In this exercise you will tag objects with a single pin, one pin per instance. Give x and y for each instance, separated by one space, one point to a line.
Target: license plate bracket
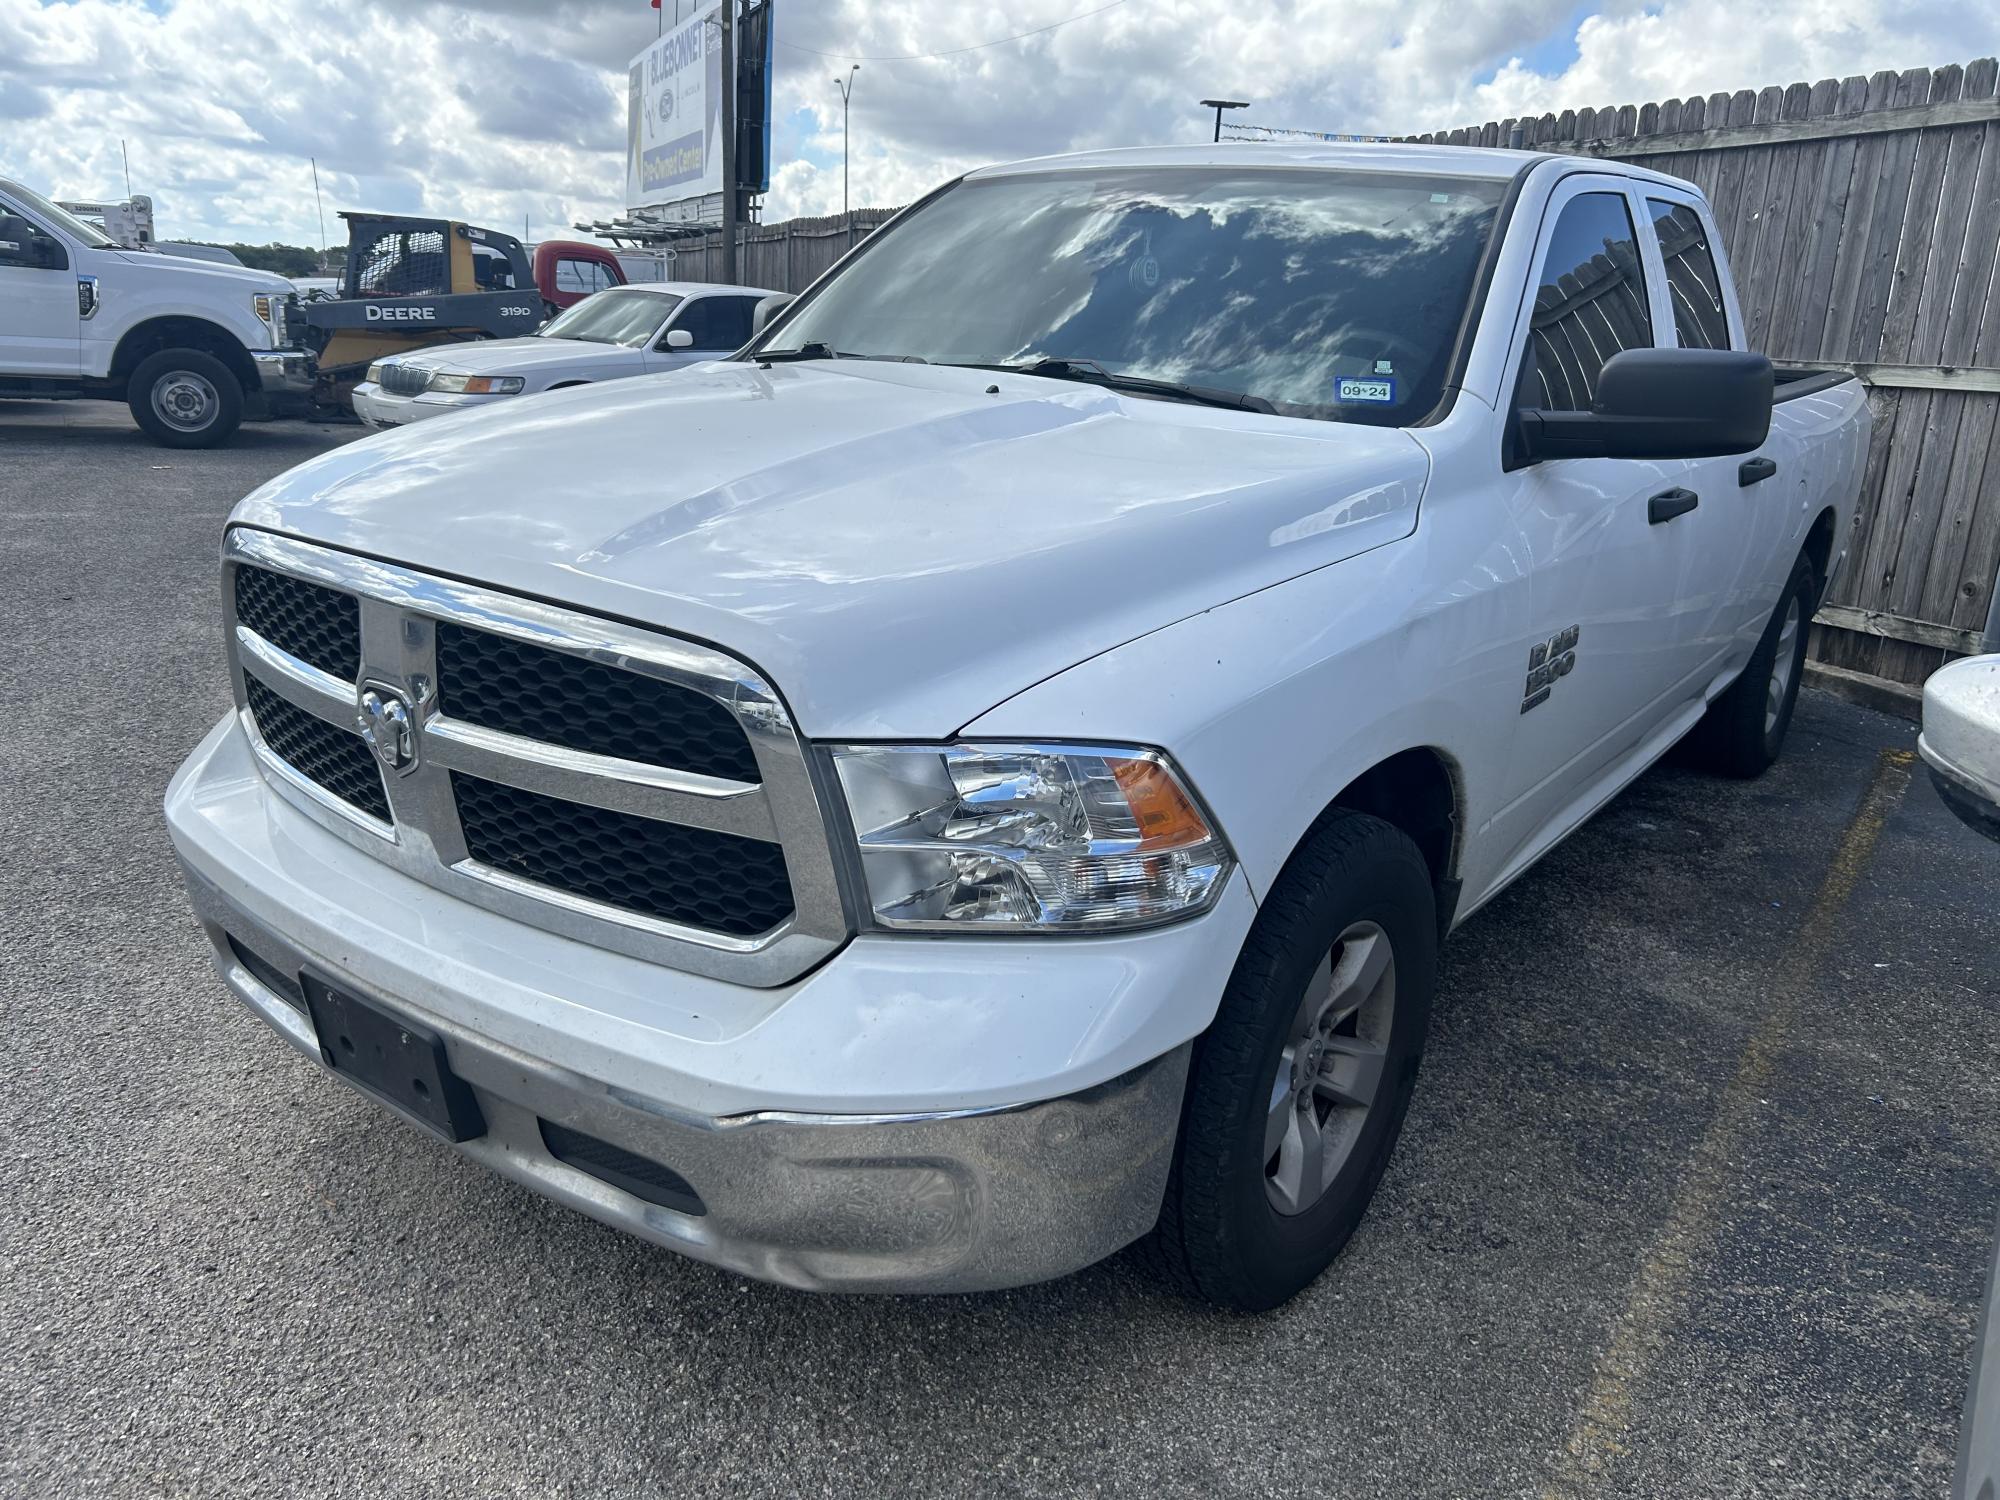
391 1057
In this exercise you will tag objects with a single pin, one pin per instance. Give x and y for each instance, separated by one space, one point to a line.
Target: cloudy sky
496 110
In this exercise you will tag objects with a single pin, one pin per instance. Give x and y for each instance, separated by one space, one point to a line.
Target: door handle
1754 471
1670 503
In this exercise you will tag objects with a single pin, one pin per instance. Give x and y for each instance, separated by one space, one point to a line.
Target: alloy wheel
1331 1070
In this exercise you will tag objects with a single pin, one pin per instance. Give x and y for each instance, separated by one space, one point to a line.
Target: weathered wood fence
1862 220
785 257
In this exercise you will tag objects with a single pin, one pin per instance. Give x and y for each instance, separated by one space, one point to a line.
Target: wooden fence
1862 219
785 257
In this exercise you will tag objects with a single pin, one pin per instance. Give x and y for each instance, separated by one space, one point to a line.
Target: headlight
1028 838
374 375
476 385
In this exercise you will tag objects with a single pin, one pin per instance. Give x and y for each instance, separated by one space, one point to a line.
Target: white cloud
492 109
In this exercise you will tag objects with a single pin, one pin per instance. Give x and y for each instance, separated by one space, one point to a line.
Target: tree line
286 260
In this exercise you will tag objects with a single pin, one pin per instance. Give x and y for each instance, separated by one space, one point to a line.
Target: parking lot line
1658 1291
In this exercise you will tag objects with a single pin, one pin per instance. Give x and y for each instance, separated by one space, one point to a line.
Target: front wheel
1298 1090
1744 729
182 398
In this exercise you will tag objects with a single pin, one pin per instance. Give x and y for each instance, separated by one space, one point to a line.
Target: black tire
182 398
1744 729
1222 1235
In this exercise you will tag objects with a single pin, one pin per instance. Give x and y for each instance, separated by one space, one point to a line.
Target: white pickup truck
982 776
190 346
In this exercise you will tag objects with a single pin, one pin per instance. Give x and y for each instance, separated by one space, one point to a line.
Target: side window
22 244
491 269
1589 305
1699 319
717 322
573 276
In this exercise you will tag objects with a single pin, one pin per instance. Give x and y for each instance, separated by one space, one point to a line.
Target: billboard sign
674 114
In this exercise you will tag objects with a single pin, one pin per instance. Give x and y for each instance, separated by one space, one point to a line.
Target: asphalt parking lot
1695 1200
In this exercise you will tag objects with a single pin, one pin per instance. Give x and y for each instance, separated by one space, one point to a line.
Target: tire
1241 1227
182 398
1744 729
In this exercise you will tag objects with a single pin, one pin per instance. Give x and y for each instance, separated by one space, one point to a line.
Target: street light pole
728 142
1219 105
846 87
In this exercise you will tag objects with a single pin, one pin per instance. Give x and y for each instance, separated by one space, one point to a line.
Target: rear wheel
1744 729
1299 1089
183 398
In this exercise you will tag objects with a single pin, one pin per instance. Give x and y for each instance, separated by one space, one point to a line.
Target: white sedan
627 330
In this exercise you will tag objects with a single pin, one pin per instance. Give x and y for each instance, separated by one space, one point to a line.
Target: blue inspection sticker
1379 389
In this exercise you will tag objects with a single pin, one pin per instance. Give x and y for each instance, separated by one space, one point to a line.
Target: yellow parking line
1660 1289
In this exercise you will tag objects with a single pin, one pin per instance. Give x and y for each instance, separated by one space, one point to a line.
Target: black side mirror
766 310
48 253
1662 403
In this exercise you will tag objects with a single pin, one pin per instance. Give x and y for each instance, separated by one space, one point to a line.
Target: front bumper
379 409
284 381
912 1116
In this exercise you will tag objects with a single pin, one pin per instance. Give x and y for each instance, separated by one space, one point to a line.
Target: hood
523 356
896 547
250 280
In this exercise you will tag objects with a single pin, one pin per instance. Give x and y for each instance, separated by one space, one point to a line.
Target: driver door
41 329
1615 581
719 324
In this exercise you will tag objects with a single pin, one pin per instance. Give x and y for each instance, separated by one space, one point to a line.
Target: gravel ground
1695 1198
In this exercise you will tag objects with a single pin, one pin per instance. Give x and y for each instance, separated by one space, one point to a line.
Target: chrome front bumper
285 381
949 1201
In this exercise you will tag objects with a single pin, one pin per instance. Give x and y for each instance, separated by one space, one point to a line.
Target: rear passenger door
1615 654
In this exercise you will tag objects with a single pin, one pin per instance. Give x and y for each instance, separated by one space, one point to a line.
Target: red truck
567 271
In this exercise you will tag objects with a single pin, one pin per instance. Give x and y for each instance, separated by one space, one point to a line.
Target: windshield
62 218
631 318
1336 295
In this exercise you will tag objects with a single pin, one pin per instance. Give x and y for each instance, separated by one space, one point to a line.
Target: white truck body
1292 612
80 315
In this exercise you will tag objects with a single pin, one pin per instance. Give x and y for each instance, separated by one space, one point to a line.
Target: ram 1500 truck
190 346
981 776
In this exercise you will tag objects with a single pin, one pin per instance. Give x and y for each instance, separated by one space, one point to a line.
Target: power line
952 51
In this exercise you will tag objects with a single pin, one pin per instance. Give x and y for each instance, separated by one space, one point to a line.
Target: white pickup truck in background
192 347
979 779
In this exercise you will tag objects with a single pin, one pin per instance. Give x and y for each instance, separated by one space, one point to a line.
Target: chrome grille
616 785
319 626
405 380
509 685
323 753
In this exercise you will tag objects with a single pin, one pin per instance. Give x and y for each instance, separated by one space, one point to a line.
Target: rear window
1700 321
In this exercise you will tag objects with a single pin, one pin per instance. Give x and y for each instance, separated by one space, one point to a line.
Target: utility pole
846 87
729 142
1219 105
321 206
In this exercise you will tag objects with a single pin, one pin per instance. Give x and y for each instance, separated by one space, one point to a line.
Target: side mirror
678 338
767 309
1662 403
48 253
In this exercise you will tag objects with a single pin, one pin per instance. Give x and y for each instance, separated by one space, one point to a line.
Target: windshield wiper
816 350
1091 372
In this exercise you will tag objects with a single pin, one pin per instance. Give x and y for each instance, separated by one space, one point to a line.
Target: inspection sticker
1377 390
